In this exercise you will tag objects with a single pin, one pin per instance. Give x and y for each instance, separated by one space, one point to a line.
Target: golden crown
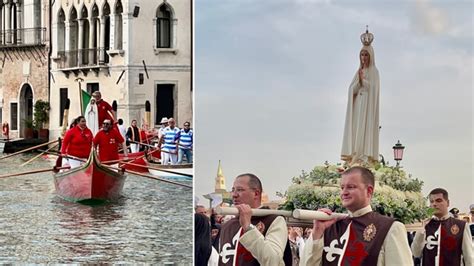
367 37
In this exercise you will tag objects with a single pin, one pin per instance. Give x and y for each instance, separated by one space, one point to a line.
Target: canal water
152 223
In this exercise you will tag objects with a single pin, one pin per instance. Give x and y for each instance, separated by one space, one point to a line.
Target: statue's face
364 58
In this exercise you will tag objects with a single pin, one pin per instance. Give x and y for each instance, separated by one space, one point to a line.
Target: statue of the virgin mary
361 131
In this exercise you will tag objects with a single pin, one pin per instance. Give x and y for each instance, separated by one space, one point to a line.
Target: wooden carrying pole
297 214
255 212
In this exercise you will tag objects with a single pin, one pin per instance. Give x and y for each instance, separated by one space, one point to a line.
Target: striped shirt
186 139
169 139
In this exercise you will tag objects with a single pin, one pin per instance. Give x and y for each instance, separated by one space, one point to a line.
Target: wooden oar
139 157
148 113
132 172
118 161
149 176
64 156
28 149
114 109
160 169
148 145
81 159
37 156
34 171
65 117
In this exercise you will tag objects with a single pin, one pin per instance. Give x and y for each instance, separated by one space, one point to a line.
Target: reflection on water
151 223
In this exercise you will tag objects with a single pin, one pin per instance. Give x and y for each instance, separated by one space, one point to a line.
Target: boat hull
135 164
179 170
89 182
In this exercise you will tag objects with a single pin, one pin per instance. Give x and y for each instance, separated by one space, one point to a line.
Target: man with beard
185 143
104 109
108 141
134 134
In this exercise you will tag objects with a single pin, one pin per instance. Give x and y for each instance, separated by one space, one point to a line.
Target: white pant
134 147
168 157
71 162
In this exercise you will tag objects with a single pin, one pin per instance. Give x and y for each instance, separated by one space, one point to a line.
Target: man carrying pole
247 240
364 237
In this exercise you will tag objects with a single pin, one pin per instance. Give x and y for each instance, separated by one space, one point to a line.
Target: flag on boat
85 99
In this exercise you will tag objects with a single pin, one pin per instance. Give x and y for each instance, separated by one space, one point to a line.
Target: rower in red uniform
108 140
77 142
104 109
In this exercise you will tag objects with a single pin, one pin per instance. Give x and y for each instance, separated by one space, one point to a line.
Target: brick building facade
24 49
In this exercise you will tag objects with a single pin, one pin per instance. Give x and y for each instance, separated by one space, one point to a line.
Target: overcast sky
272 78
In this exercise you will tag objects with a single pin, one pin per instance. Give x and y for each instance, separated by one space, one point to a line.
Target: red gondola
138 161
91 181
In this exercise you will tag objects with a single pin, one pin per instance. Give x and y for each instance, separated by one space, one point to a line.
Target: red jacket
103 108
77 142
108 143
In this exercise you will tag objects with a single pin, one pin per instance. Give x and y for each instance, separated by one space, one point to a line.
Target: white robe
361 130
92 118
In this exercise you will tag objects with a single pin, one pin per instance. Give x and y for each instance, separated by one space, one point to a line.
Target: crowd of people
362 237
98 128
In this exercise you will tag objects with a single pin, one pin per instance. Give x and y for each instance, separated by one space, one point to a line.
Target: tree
41 113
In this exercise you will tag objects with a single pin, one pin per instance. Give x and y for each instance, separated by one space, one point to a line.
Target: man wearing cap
454 212
164 124
444 240
169 150
104 109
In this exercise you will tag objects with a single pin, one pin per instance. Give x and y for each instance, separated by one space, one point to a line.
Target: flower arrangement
396 194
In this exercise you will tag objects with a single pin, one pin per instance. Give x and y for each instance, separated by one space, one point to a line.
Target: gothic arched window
163 26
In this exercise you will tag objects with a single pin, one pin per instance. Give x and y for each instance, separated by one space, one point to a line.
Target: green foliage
396 194
396 178
41 112
29 123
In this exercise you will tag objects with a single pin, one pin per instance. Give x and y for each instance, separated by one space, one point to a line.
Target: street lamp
398 152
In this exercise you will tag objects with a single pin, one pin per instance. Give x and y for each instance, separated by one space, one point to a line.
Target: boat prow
91 182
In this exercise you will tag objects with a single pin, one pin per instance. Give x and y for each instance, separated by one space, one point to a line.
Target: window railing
23 37
80 58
